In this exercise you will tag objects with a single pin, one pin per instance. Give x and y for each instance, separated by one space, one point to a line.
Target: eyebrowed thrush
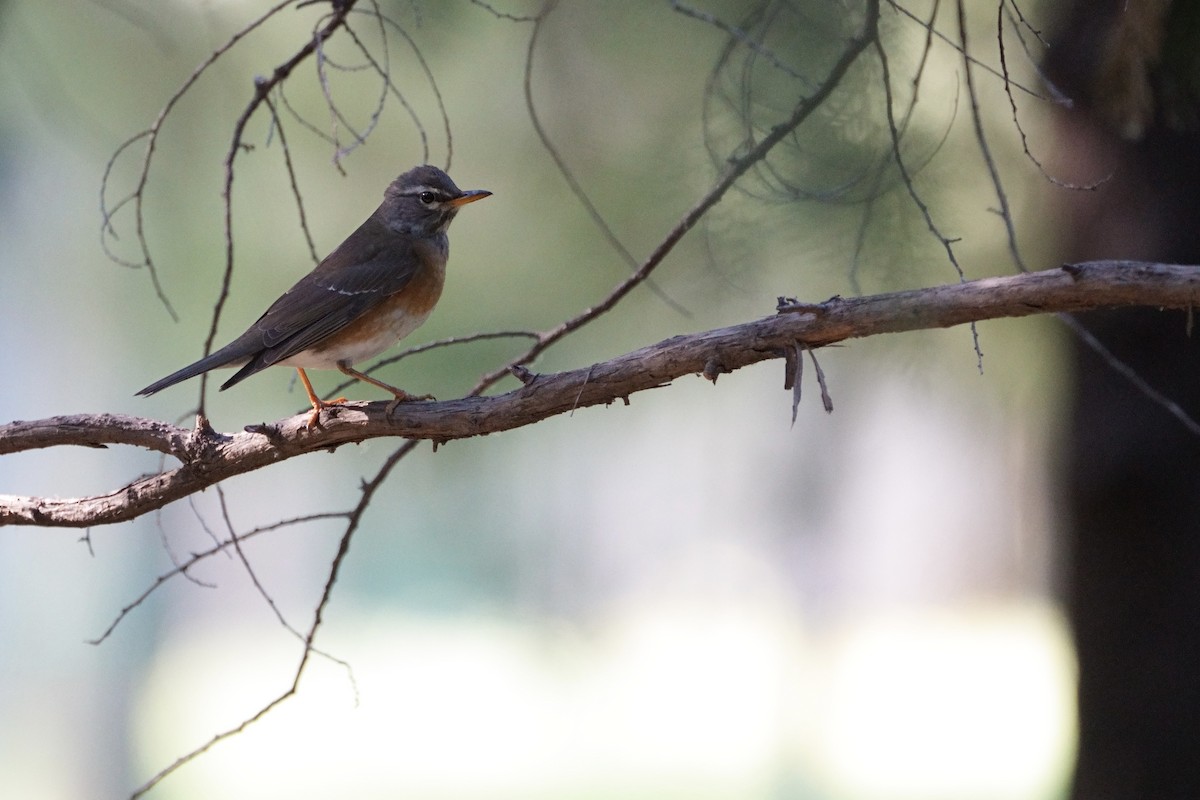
377 287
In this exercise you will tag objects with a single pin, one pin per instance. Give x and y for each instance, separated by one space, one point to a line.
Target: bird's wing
320 305
352 280
360 274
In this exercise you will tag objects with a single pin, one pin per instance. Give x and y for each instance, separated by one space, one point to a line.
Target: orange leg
317 403
400 395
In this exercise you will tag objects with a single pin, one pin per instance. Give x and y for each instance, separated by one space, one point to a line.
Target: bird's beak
470 197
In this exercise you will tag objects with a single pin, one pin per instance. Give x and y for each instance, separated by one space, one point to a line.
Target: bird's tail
221 358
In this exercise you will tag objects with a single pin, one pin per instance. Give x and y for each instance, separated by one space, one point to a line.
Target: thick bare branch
209 457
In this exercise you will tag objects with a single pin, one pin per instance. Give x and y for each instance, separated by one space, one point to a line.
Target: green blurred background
684 597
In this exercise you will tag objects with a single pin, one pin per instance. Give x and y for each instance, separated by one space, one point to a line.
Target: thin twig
196 558
568 175
946 242
277 126
355 518
735 168
151 134
1016 118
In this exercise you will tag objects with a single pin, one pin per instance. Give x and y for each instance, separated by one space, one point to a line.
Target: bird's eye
427 198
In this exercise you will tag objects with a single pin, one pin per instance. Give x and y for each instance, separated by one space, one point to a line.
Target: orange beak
470 197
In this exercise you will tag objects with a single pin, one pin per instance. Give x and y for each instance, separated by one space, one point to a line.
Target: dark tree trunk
1132 470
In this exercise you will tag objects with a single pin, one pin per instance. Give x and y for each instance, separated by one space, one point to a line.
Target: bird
375 288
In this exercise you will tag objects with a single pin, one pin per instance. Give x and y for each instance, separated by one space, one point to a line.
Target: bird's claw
314 419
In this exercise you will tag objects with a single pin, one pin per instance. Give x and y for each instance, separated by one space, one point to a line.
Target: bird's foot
314 419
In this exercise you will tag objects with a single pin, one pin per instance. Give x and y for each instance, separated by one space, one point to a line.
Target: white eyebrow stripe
419 190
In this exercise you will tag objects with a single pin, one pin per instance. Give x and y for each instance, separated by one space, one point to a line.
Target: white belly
368 347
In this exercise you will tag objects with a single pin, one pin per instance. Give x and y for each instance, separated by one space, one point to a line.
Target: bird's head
422 201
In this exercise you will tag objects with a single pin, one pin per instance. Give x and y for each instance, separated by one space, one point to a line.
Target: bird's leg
400 395
317 403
